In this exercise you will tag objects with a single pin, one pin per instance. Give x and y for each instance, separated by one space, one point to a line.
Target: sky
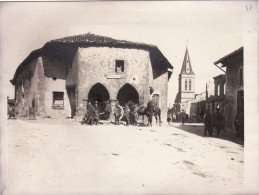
211 30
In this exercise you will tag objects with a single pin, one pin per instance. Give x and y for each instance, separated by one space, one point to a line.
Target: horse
150 111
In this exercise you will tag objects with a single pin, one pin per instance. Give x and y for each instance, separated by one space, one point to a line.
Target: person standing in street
90 113
217 120
207 123
117 114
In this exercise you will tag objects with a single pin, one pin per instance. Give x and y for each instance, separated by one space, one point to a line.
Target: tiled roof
92 40
98 40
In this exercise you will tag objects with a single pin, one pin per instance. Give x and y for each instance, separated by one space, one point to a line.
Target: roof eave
225 58
28 59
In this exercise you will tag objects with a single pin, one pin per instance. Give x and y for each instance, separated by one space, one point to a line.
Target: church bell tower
186 89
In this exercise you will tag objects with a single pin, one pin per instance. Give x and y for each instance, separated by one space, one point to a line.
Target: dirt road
50 156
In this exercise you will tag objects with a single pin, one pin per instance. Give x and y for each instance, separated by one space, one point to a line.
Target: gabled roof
237 53
187 67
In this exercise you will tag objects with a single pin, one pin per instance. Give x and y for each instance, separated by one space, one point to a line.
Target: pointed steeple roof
187 67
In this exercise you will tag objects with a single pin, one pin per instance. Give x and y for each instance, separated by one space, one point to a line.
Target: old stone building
58 79
186 87
234 91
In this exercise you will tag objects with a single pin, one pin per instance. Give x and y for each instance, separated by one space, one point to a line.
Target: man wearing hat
207 123
217 119
117 114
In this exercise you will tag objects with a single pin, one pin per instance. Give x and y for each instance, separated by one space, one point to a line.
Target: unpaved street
48 156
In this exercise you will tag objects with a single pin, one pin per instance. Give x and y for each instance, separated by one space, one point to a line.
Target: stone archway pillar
112 103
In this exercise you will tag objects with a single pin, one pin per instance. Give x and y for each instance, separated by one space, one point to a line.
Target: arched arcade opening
127 93
100 94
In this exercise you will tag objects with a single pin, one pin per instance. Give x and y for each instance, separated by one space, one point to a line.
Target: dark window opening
58 100
190 85
185 84
54 78
119 67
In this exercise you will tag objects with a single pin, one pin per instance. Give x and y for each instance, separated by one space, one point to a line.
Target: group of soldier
129 112
92 114
211 122
215 121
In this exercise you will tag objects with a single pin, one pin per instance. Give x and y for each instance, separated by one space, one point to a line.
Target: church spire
187 67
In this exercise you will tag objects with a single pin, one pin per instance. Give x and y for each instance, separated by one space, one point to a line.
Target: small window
58 100
185 84
190 85
119 67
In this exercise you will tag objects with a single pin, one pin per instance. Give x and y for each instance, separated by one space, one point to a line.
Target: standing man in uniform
117 114
207 123
217 120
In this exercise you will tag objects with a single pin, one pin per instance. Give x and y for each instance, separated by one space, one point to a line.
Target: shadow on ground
198 129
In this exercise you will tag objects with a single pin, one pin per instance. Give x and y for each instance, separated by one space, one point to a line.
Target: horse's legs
148 120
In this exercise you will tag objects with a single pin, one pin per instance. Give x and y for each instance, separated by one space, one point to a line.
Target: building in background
234 87
59 79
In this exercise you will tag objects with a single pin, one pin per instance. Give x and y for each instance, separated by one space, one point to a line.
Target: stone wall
34 90
161 88
26 89
57 85
97 65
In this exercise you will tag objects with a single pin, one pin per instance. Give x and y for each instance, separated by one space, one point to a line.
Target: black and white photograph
129 97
